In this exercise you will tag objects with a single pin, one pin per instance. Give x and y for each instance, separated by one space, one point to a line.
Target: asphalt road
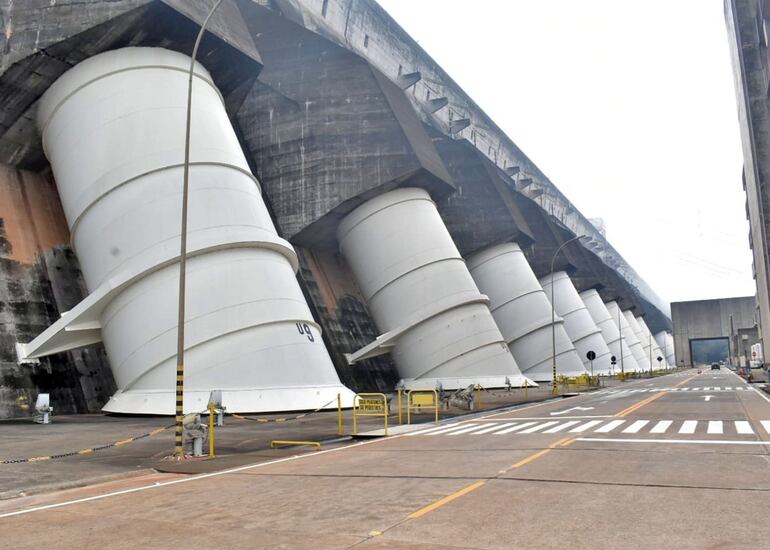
679 461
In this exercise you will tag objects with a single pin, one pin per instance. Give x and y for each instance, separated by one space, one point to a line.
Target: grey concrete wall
710 319
748 49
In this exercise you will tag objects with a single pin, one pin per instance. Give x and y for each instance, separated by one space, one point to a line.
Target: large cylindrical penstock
610 331
642 358
523 312
656 351
417 286
630 337
577 321
668 348
113 129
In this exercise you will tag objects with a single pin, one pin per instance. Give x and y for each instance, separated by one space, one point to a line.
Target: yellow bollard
399 406
339 415
211 430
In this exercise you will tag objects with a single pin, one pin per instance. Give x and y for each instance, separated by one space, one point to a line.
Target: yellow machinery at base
370 404
419 399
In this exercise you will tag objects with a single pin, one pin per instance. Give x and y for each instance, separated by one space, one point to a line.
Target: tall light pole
179 428
555 389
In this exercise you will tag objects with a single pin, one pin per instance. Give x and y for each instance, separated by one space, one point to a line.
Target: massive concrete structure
333 106
748 26
733 319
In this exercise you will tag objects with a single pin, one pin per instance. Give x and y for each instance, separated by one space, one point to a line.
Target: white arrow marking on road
707 397
572 409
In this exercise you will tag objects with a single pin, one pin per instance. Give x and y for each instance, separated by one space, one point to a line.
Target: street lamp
179 427
553 314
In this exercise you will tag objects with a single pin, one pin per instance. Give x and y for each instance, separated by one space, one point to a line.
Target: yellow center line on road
472 487
643 402
447 499
640 404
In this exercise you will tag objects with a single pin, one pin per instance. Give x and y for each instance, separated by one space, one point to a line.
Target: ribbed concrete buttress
629 336
113 130
523 312
577 321
601 316
436 323
643 355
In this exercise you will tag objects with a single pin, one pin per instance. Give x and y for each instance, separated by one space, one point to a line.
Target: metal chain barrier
286 419
88 450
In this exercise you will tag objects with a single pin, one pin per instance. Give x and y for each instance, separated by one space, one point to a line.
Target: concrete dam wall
311 274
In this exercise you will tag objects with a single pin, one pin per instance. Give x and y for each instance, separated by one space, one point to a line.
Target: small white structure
113 129
577 321
43 409
436 323
523 313
610 331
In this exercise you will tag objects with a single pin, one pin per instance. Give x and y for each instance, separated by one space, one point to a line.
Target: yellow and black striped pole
179 429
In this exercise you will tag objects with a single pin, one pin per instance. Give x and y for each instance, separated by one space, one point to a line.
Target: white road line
561 427
538 427
470 429
688 427
636 426
493 428
661 427
515 428
760 394
715 427
453 428
585 426
766 425
729 388
609 426
743 427
159 484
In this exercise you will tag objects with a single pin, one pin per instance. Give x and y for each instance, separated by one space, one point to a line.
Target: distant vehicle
715 366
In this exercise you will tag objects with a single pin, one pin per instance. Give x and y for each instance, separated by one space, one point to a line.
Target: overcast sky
628 106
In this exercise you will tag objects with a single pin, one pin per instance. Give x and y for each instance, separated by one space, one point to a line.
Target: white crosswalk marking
466 430
514 429
743 427
609 426
688 427
585 426
451 429
636 426
661 427
493 428
543 426
429 430
538 427
561 427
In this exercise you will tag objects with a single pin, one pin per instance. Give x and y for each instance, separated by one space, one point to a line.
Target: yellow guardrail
419 399
370 404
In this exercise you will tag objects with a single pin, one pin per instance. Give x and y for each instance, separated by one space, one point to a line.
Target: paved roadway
679 461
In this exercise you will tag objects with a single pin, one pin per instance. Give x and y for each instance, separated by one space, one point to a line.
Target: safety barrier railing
419 399
370 404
